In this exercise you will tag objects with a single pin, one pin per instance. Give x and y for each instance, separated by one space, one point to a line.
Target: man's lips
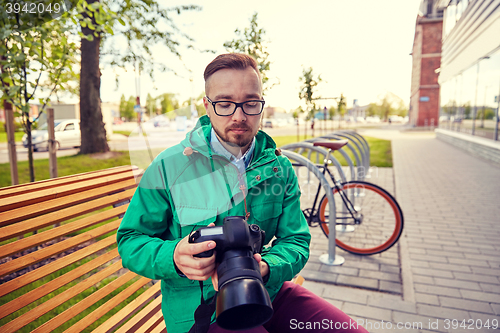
238 130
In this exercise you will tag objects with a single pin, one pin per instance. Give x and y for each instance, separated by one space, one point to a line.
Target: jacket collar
199 140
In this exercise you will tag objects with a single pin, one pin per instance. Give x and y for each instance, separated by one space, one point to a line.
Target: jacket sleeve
145 242
290 250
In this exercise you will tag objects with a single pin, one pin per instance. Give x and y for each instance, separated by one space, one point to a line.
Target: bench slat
32 258
161 328
60 231
62 215
49 183
130 309
55 284
84 304
57 232
72 204
108 306
18 201
32 210
152 322
54 266
55 301
142 317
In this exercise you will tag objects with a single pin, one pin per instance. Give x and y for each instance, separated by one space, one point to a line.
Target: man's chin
239 140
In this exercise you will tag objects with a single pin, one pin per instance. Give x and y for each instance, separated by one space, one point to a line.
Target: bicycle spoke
380 222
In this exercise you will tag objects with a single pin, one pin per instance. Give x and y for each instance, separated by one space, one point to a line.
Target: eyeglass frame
240 105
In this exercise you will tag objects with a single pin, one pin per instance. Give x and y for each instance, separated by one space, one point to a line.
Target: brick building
426 53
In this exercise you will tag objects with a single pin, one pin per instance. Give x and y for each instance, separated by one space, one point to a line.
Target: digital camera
243 301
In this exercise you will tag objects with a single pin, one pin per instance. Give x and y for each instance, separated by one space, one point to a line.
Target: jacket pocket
266 217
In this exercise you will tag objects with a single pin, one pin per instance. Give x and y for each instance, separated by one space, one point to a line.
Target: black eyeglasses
228 108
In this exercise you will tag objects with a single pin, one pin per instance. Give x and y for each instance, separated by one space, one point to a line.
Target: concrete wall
474 145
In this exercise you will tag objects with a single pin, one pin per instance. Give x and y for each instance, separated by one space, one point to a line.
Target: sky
361 49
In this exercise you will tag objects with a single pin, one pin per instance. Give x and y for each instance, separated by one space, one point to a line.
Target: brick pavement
449 253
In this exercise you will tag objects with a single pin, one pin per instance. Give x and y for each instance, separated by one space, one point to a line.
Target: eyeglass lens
227 108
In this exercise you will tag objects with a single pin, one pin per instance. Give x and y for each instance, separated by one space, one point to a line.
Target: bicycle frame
311 213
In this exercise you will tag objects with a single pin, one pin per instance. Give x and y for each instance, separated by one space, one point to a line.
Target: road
157 138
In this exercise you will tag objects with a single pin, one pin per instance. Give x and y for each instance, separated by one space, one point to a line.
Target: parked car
66 131
161 121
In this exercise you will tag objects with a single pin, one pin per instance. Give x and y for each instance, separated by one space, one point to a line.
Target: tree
151 105
251 41
39 48
389 104
168 102
341 107
91 124
143 23
307 90
127 107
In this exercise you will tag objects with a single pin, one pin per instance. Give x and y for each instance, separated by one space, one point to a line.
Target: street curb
404 254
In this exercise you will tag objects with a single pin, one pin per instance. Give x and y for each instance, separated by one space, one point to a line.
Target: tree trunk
30 150
91 124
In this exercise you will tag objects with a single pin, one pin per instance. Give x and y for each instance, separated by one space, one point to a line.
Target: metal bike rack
341 151
329 258
363 147
361 139
320 150
354 152
362 163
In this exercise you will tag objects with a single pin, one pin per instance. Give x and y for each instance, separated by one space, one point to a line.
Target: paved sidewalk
450 250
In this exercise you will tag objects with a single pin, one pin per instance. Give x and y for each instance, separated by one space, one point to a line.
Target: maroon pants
298 309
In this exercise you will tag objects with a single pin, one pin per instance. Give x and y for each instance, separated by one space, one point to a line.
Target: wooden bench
59 265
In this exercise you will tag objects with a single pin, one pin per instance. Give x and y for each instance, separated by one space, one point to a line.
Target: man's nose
239 115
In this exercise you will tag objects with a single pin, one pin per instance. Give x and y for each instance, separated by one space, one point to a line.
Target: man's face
237 86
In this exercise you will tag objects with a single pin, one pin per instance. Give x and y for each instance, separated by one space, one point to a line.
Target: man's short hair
230 61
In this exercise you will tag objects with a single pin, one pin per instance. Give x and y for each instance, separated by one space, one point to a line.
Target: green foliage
27 56
151 105
341 105
388 105
127 107
144 23
307 89
251 41
331 112
168 102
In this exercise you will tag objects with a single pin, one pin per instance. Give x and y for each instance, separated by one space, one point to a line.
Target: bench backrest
59 265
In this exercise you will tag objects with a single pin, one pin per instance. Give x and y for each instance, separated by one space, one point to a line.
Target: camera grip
205 254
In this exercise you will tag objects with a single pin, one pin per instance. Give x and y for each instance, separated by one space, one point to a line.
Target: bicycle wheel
380 221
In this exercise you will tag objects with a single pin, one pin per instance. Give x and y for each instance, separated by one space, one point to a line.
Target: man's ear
206 105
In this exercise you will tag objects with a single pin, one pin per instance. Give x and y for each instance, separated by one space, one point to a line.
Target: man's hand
264 270
194 268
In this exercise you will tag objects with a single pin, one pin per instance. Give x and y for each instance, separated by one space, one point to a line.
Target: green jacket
180 192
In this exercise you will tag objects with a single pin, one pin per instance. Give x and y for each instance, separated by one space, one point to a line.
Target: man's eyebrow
230 97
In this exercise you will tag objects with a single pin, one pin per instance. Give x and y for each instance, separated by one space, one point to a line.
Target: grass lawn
380 156
67 165
17 136
380 150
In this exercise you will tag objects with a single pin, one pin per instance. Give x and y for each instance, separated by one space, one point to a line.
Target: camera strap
203 314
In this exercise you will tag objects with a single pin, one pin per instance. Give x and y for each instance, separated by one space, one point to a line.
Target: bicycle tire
377 232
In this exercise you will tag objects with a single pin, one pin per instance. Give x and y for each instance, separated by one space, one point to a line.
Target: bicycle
369 220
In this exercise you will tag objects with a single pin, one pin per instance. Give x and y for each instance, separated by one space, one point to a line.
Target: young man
224 167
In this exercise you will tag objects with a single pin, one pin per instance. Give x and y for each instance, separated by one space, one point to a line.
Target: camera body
235 233
243 301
